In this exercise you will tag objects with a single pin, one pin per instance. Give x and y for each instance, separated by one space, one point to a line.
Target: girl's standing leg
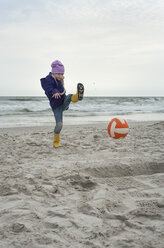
58 113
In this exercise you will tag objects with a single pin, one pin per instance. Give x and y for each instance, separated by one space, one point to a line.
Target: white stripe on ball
117 130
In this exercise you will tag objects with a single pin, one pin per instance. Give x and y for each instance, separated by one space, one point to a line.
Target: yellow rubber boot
79 94
74 98
57 140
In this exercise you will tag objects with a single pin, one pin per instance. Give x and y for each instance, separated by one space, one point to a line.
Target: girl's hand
56 95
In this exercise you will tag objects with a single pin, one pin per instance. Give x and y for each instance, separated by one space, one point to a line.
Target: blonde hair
62 80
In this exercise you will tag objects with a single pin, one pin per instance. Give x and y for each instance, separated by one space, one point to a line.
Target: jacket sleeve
48 87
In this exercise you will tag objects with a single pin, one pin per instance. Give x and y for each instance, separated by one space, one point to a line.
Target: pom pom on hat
57 67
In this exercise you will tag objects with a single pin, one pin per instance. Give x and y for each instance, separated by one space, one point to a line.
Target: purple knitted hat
57 67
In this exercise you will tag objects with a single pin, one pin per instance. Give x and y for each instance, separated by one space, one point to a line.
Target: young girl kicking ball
53 85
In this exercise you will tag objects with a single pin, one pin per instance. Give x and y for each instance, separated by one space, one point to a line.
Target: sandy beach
92 192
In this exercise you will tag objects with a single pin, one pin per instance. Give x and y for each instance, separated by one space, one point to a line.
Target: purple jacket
52 86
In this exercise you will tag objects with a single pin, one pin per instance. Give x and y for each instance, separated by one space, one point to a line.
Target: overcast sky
114 47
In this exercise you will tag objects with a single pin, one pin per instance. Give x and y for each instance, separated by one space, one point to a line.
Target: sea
35 111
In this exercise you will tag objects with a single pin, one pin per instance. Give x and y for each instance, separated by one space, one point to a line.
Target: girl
53 85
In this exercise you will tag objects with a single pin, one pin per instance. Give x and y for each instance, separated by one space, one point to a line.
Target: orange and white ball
118 128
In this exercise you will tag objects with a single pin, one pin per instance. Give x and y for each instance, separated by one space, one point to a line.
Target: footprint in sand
18 227
82 183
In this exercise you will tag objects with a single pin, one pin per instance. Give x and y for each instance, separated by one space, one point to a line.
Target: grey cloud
122 12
